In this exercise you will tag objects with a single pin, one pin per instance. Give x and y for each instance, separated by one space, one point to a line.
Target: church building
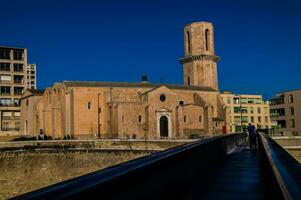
137 109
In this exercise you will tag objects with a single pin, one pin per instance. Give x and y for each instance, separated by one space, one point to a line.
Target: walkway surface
239 177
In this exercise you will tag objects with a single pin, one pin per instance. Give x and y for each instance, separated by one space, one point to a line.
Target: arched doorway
163 126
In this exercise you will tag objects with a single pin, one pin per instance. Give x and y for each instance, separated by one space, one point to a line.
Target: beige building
31 77
285 110
13 62
245 108
142 109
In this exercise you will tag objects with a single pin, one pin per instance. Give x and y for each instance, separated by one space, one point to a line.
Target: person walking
251 130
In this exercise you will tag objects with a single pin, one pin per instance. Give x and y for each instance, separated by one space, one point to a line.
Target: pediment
163 109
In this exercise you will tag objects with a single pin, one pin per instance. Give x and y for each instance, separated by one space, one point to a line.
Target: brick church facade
142 110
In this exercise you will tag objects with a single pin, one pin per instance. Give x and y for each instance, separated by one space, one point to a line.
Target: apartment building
31 77
13 62
245 108
285 111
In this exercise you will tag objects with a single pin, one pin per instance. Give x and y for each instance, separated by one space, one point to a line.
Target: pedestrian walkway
239 177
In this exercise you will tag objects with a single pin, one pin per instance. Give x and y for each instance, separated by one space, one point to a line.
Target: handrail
160 173
285 168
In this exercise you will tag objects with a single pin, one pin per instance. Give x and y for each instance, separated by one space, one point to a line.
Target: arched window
188 41
207 39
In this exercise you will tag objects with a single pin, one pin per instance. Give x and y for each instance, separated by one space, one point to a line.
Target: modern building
13 62
285 110
31 76
142 109
245 108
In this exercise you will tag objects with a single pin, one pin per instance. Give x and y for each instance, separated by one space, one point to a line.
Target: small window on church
207 39
181 102
162 97
188 42
200 119
140 118
184 118
89 105
188 81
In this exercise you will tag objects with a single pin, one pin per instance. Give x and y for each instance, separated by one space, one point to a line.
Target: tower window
89 105
207 39
140 118
290 99
200 119
181 102
188 41
184 118
188 80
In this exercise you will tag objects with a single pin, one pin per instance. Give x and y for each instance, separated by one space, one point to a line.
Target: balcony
277 101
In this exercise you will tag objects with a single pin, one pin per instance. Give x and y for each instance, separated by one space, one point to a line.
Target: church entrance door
163 126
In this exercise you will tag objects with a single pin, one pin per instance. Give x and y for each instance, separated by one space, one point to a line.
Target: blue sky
258 41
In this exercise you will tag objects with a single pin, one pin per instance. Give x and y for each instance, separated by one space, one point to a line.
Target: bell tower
199 62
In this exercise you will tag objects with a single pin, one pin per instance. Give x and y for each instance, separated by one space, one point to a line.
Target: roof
134 85
291 90
33 91
10 47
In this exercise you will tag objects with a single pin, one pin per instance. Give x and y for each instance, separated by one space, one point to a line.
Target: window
5 90
5 126
4 66
251 101
292 123
244 100
4 54
259 119
89 105
5 102
18 67
184 118
251 109
17 102
244 109
292 111
228 100
266 110
236 109
291 99
181 102
207 39
252 119
236 100
258 101
244 119
140 118
188 41
18 90
200 119
18 79
162 97
5 78
188 81
18 55
266 119
237 119
258 110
